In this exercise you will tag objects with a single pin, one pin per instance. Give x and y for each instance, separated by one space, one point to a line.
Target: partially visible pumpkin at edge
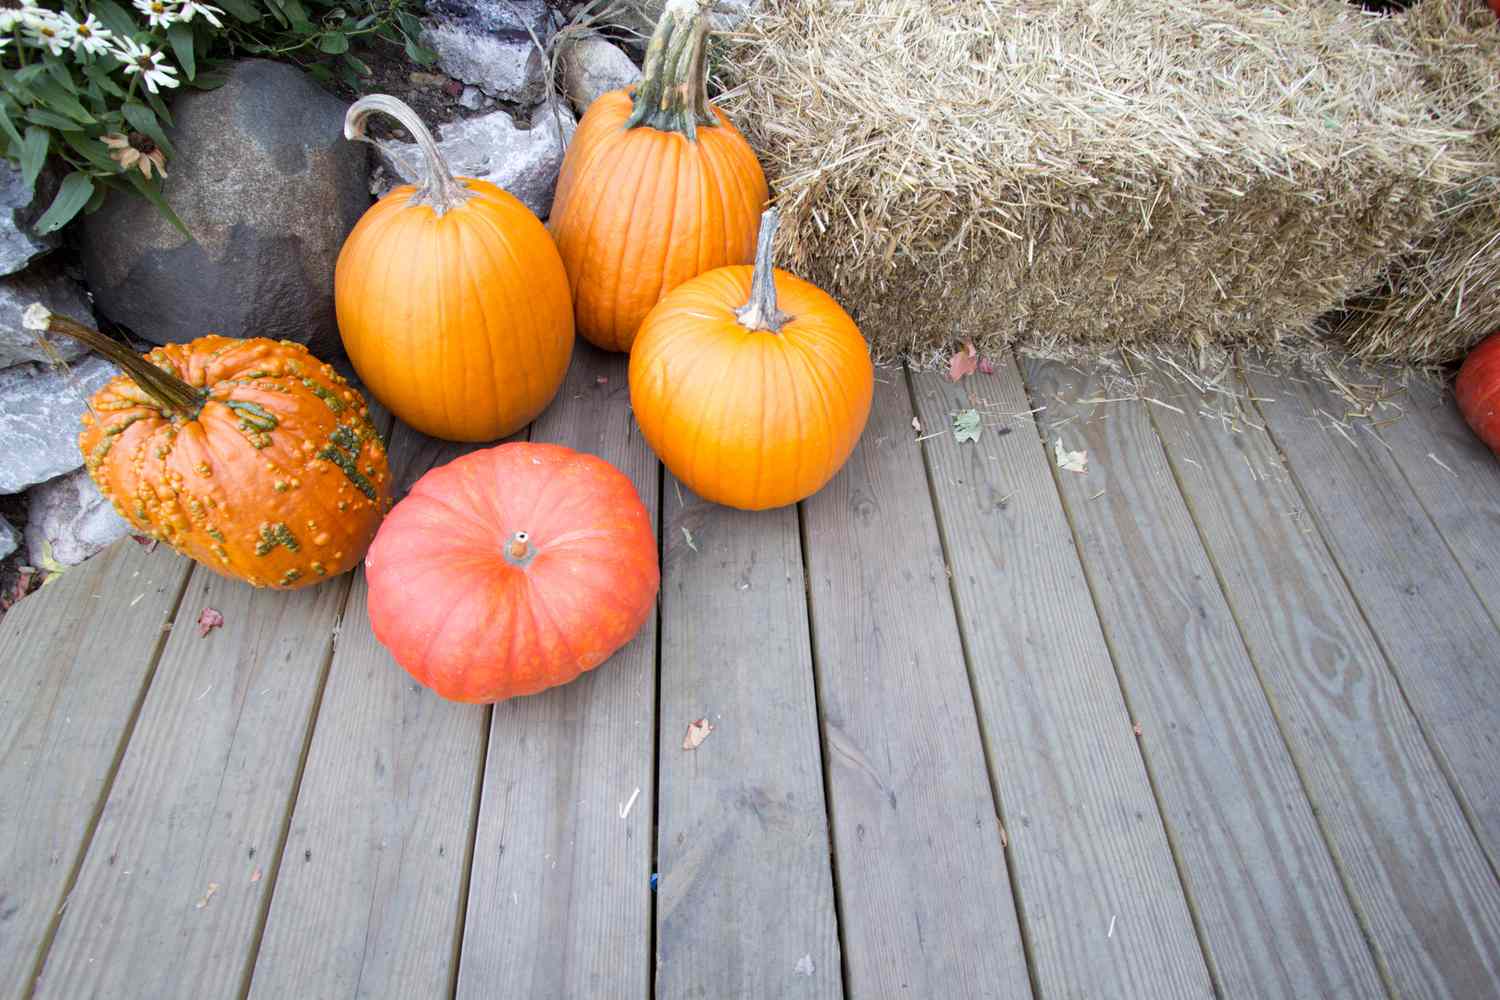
1476 390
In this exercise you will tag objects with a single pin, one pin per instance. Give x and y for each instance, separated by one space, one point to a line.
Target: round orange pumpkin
656 188
1477 391
250 456
452 301
751 385
511 570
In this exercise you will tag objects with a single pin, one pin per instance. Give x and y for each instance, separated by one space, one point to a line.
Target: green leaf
26 75
43 117
76 190
160 107
59 71
58 99
966 426
142 120
99 75
333 42
90 149
420 55
211 79
243 10
180 34
115 18
153 194
8 127
33 153
96 200
357 64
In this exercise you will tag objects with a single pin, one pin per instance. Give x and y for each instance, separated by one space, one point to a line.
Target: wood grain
78 655
369 895
1436 634
745 904
925 900
1271 910
559 898
1418 878
1103 907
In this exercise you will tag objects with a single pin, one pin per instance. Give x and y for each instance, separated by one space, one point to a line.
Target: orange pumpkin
452 301
510 570
251 457
656 188
751 385
1477 390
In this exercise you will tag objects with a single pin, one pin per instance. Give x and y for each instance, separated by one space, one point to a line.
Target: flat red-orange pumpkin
512 570
1477 391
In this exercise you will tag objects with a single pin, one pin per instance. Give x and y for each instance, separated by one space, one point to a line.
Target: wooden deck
1219 717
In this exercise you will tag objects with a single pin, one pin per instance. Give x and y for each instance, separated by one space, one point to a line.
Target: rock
492 44
20 206
10 538
592 66
45 283
636 19
39 411
524 162
475 99
266 182
71 516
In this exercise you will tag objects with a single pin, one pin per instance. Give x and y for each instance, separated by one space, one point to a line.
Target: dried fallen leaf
255 875
697 732
804 966
601 380
213 887
208 620
1137 728
966 426
146 542
1072 461
963 362
688 537
986 366
916 425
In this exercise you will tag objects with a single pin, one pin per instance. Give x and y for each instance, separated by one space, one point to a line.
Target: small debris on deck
630 803
804 966
688 537
1070 461
208 620
966 426
213 887
964 362
697 732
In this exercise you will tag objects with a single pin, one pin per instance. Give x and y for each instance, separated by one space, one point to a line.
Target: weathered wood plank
369 897
1457 479
1272 913
1420 882
925 900
745 904
1436 634
560 898
1103 907
77 657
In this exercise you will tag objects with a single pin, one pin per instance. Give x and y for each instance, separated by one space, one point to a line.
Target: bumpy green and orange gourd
657 187
251 457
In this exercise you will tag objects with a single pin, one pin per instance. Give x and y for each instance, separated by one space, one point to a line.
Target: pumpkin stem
673 93
761 312
159 383
518 551
441 189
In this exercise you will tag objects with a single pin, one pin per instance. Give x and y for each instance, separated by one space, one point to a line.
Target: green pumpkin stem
761 312
673 93
441 190
165 387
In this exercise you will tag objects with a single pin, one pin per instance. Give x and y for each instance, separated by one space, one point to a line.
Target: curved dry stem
439 190
166 388
673 93
761 312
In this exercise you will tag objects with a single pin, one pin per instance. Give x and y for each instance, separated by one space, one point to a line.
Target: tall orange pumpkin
752 386
250 456
452 300
656 188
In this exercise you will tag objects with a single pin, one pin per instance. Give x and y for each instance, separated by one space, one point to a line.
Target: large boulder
489 43
19 208
39 411
46 283
592 65
70 520
524 162
269 188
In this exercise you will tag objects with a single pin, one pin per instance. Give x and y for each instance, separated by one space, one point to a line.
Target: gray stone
18 210
524 162
592 66
510 69
10 538
71 516
47 284
636 19
475 99
507 18
39 411
268 186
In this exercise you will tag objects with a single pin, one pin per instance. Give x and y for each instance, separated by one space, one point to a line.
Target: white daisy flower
159 13
139 59
22 12
47 33
88 35
191 7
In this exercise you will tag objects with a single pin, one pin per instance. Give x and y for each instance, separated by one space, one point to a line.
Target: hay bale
1445 297
1041 170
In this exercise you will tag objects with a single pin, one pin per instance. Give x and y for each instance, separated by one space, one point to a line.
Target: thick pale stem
761 312
439 189
161 385
519 550
673 93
